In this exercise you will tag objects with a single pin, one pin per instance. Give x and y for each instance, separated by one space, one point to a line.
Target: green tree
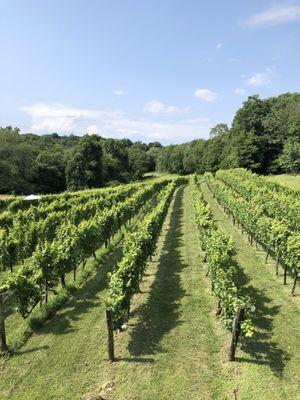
84 169
50 172
138 161
290 157
218 130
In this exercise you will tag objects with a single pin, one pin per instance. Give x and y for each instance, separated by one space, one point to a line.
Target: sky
150 70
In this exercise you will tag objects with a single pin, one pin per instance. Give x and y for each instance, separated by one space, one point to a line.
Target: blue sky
165 70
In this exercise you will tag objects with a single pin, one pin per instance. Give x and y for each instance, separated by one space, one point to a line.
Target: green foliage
51 163
139 245
268 212
264 137
84 169
219 250
57 242
290 157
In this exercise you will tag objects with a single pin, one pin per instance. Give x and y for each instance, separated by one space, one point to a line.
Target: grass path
269 364
290 180
174 343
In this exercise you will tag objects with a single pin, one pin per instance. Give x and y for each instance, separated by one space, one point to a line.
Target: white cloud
93 130
206 95
118 92
54 117
219 45
261 78
156 107
275 15
239 91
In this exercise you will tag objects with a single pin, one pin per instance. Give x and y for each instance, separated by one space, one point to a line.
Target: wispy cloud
278 14
206 95
261 78
55 117
118 92
219 45
239 91
157 107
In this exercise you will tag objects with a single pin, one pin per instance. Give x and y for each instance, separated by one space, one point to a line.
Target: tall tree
84 169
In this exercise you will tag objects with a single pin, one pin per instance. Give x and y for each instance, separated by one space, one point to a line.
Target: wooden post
2 326
236 330
267 256
219 308
285 275
294 285
277 266
46 290
110 334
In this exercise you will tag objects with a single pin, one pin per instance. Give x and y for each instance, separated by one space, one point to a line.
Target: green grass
172 348
174 342
269 363
290 180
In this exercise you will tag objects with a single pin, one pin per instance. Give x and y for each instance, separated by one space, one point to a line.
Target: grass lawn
290 180
172 348
269 363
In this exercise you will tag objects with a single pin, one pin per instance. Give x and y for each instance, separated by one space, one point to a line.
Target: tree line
264 137
52 163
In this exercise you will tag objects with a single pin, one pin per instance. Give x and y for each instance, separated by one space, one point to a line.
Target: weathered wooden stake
110 334
2 326
236 330
219 308
277 266
285 275
294 285
46 290
267 256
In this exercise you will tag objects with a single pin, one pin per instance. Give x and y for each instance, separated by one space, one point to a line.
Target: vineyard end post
2 326
110 334
236 330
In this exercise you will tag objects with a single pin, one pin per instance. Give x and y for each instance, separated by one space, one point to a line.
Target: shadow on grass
136 359
31 350
85 298
160 314
262 350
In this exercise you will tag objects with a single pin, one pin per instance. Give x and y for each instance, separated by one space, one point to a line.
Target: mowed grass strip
174 342
292 181
268 364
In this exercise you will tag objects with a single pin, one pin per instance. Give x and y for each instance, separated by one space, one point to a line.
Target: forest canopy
53 163
264 137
